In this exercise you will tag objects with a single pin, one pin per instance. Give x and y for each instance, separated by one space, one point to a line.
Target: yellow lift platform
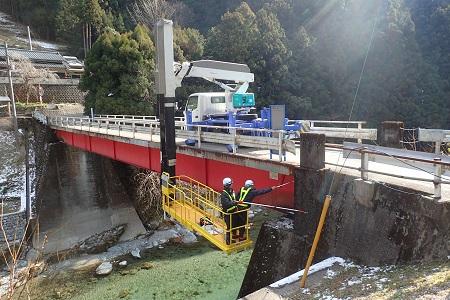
197 207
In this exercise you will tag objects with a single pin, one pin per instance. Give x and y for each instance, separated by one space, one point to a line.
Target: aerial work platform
197 207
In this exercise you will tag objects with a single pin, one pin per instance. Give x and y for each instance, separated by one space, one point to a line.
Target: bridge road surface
334 156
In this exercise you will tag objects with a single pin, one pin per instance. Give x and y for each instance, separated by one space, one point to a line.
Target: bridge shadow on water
81 196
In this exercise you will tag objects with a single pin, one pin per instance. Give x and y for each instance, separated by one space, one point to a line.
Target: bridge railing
132 117
429 164
352 130
436 136
264 139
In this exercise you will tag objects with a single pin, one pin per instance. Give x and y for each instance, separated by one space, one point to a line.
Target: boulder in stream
104 269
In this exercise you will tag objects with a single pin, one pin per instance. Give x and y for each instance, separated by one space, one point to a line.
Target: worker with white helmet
229 207
246 194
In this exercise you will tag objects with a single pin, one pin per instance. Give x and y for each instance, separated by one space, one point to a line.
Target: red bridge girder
208 169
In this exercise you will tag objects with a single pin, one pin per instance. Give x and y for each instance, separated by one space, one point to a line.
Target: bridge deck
332 156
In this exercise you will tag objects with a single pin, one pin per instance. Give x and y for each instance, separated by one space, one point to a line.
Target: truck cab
205 105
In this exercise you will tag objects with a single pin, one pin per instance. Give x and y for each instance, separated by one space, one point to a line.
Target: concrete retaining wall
369 223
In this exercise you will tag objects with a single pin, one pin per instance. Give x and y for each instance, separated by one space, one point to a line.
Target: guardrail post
437 147
199 136
134 129
359 127
107 126
280 145
364 164
437 179
234 139
151 132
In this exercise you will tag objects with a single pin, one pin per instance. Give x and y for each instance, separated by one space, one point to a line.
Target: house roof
42 59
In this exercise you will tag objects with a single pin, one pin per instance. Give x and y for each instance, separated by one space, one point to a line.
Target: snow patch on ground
327 263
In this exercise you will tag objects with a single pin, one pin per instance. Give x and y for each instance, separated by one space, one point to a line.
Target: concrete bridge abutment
371 223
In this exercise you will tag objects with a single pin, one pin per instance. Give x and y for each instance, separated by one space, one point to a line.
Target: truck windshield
192 103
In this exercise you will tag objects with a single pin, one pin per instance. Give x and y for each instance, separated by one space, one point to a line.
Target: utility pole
11 86
165 94
29 38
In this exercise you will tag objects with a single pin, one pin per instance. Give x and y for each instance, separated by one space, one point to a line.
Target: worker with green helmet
246 194
229 207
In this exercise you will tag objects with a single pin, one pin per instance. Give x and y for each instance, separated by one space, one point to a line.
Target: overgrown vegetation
306 54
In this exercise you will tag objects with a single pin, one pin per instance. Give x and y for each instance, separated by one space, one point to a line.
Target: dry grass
420 281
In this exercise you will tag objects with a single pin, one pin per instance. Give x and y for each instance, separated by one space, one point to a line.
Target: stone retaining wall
13 226
52 94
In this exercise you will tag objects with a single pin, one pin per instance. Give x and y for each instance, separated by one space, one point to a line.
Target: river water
81 196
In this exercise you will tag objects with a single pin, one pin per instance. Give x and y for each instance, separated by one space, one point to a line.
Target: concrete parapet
390 134
312 150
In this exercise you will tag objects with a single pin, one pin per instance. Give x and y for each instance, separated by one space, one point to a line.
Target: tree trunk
84 41
90 36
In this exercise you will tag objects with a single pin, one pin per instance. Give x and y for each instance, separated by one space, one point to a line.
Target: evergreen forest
312 55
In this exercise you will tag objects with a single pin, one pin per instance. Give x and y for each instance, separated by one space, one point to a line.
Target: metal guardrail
349 132
439 162
263 139
436 136
133 117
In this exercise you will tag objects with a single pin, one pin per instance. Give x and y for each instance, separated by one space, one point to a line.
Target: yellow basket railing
197 207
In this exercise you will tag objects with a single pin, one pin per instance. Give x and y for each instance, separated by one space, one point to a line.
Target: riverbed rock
102 241
104 269
123 263
153 225
188 237
136 253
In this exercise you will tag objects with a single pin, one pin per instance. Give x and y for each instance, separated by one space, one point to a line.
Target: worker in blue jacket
246 194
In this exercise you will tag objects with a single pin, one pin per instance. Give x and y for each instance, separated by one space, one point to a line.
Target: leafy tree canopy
119 73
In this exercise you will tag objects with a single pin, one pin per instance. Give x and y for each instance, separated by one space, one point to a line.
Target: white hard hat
227 181
249 183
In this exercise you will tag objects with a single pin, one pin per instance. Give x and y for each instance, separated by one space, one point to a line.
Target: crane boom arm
214 71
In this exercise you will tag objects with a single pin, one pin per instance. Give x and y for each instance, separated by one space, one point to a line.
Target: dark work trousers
242 219
232 221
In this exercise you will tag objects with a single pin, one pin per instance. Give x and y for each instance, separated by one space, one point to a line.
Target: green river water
197 271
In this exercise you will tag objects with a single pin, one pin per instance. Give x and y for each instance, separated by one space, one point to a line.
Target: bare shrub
148 195
13 253
30 75
148 12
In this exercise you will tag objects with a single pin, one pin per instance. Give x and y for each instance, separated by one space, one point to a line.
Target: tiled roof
34 56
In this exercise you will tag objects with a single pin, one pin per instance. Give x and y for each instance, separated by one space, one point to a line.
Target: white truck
215 108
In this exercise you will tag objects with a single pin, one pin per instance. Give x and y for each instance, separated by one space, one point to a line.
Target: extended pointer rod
278 207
